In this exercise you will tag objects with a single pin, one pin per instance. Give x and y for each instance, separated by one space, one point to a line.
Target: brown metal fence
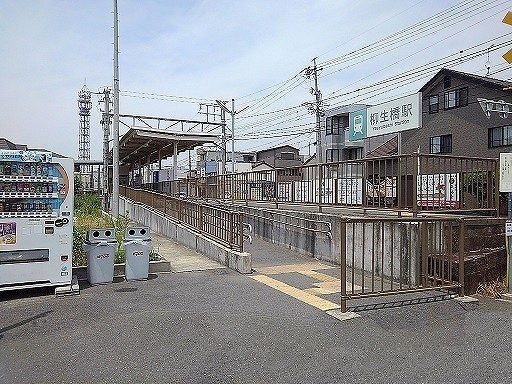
413 182
390 256
222 225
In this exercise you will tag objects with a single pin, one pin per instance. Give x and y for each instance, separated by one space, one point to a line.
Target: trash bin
100 246
137 246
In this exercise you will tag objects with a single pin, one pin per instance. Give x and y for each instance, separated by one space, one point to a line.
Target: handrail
328 232
193 214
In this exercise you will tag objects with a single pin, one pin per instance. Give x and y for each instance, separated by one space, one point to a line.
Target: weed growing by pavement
494 289
89 215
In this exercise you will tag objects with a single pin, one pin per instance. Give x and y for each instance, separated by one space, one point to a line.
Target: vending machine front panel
36 219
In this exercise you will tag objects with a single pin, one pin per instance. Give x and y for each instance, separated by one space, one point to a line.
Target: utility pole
318 98
105 123
232 112
233 136
315 107
214 110
223 145
189 164
115 126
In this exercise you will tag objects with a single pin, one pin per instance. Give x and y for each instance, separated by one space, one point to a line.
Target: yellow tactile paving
287 268
317 302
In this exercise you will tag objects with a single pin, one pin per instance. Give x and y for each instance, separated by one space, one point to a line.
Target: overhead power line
464 11
161 96
394 47
452 59
372 28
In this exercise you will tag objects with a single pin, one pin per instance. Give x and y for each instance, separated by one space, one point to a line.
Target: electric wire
415 53
414 36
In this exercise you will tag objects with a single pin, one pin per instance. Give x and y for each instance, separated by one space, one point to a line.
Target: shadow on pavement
23 322
26 293
84 284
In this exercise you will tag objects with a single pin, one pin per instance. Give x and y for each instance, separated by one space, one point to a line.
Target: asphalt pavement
218 326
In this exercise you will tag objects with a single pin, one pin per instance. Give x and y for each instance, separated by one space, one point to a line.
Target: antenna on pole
488 62
84 133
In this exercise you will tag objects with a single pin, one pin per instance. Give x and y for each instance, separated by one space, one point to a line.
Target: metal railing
222 225
415 182
390 256
286 219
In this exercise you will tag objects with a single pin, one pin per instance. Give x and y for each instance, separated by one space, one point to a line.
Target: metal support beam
175 161
232 136
148 167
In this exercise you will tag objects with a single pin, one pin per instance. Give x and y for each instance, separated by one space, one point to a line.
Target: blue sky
208 49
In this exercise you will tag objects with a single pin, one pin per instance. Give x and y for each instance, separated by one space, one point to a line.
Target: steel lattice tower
84 110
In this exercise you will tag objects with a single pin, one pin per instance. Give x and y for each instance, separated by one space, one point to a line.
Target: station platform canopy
143 145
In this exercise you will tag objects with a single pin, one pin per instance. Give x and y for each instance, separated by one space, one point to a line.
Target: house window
335 121
247 158
353 153
433 104
447 82
441 144
500 136
287 156
334 124
332 155
456 98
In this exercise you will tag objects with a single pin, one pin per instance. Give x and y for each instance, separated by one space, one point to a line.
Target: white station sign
505 172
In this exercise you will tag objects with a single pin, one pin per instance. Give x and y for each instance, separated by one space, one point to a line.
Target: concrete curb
506 297
161 266
343 316
466 299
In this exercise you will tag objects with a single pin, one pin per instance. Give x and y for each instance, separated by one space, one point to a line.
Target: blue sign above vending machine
25 156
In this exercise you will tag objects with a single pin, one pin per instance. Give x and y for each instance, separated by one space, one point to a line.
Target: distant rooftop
497 83
7 144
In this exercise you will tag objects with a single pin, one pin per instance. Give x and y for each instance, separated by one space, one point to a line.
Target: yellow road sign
508 18
508 56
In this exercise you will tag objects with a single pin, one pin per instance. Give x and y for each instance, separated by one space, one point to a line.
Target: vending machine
36 219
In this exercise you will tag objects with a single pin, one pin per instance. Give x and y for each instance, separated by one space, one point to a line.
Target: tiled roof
6 144
388 148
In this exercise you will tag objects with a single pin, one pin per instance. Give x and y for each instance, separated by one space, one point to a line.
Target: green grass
88 215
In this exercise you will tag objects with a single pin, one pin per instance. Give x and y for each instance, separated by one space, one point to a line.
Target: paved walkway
299 276
218 326
181 258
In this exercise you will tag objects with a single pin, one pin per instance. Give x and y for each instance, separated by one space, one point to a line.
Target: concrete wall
239 261
391 247
388 243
